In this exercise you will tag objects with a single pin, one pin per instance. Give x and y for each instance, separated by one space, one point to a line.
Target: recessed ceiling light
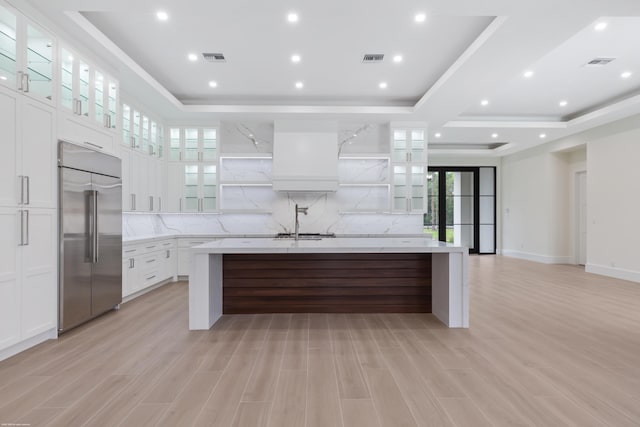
295 58
563 103
484 102
292 17
528 74
162 15
213 83
626 74
192 57
600 26
543 135
494 135
382 85
299 85
438 135
420 17
397 58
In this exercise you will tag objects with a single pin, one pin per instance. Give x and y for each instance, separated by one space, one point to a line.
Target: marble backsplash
143 224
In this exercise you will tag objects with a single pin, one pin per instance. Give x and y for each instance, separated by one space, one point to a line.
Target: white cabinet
10 280
39 273
28 269
28 274
28 171
26 56
87 92
192 187
409 169
146 265
79 131
142 187
193 144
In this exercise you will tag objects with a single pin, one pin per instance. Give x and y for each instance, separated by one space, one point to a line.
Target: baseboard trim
21 346
544 259
617 273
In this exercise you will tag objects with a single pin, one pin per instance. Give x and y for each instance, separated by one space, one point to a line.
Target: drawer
131 251
150 262
150 278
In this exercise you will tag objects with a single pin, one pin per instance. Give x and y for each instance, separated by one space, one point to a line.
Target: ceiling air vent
214 57
372 57
598 62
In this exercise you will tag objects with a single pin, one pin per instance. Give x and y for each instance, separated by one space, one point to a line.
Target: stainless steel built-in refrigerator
90 234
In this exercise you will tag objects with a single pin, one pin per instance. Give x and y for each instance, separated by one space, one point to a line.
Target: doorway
581 218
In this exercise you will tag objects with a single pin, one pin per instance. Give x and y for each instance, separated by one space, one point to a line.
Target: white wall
538 200
613 205
535 206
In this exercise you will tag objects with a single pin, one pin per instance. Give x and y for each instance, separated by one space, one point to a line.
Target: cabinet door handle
132 263
151 203
21 228
180 204
132 142
26 79
25 241
105 120
28 191
159 204
94 145
168 254
20 78
21 179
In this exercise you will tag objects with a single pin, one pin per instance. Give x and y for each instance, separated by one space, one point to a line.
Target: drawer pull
151 247
151 277
129 251
150 261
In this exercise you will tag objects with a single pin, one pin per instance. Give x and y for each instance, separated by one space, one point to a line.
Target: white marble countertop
145 238
327 245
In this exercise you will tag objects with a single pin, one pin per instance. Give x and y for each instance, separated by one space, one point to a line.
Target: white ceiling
464 52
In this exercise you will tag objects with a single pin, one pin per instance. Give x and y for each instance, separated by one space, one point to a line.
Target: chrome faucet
299 210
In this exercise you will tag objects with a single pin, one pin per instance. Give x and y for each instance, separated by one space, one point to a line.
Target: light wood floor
548 346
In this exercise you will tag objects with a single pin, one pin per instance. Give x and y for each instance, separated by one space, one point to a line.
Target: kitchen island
214 282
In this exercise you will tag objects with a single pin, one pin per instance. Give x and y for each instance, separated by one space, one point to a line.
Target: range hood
305 155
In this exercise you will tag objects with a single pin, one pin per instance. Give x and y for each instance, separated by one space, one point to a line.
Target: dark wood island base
327 283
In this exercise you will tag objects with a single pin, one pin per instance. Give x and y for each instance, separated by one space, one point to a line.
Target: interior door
75 289
107 255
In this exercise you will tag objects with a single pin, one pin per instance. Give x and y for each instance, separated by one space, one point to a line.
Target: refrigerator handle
93 226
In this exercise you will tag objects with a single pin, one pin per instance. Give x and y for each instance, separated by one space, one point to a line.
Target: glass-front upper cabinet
409 169
193 144
409 190
39 63
8 47
408 145
85 91
126 125
200 187
26 56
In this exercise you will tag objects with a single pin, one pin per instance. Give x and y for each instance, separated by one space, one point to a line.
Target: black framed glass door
461 207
